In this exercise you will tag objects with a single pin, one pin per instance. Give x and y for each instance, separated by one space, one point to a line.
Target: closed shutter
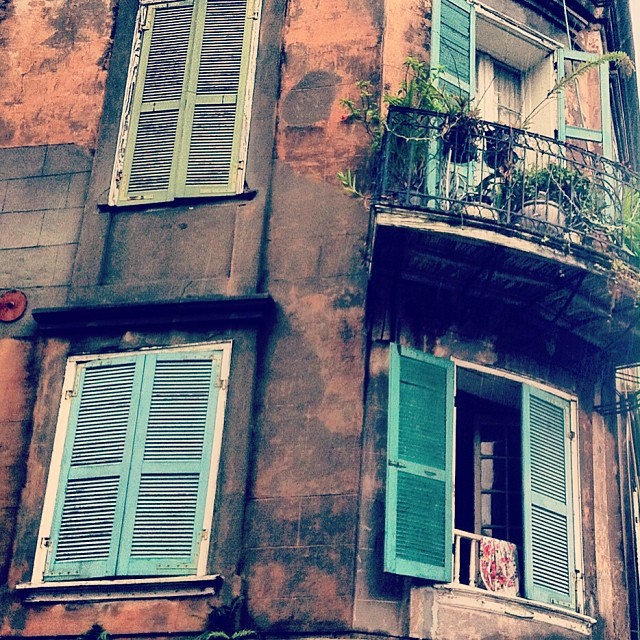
453 45
170 469
584 107
548 510
419 529
186 135
218 113
91 495
158 110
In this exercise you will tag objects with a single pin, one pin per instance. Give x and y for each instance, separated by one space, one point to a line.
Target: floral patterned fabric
499 566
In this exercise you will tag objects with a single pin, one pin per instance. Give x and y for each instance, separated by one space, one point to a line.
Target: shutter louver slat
221 57
455 41
103 415
87 519
418 531
165 516
547 498
211 148
153 155
178 412
168 52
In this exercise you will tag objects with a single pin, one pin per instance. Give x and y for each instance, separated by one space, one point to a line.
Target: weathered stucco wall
53 66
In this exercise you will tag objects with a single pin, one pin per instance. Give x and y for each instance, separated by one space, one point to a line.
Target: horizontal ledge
250 308
125 589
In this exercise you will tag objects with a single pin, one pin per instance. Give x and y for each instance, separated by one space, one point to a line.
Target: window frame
576 542
55 466
125 144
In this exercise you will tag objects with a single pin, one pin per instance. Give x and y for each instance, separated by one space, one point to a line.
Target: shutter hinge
241 165
395 463
204 535
256 15
45 542
571 435
222 383
71 393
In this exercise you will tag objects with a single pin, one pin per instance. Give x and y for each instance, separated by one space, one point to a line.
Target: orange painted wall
53 59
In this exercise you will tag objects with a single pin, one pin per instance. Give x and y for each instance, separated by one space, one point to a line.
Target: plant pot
542 216
499 147
480 211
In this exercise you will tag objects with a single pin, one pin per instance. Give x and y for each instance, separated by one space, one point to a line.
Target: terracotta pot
542 216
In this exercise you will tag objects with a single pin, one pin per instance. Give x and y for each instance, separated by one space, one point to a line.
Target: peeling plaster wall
53 67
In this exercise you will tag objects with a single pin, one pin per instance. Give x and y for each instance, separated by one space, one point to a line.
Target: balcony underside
540 282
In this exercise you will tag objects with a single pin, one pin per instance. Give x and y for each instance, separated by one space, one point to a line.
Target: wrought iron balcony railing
511 180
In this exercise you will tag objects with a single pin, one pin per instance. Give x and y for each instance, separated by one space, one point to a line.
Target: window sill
126 589
458 598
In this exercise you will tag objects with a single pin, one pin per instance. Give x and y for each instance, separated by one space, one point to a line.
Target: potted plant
462 129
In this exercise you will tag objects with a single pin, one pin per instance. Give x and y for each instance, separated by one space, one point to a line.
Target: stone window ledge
428 604
125 589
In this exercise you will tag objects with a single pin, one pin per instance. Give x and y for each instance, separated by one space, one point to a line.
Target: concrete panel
66 158
35 194
171 244
40 266
22 162
60 226
20 229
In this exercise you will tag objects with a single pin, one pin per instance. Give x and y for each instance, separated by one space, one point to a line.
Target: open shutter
163 522
89 508
548 510
158 108
419 527
584 107
453 45
214 138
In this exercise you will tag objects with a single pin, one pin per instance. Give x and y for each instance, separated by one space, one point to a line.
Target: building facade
408 413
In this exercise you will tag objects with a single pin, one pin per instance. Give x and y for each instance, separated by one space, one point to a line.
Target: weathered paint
52 70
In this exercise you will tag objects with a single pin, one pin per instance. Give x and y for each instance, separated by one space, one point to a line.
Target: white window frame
53 480
574 447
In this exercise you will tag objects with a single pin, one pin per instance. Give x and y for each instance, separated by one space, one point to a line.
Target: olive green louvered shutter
213 136
582 120
158 110
163 522
453 45
418 528
548 510
90 500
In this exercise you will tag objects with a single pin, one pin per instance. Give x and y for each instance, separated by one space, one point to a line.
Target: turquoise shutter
588 126
163 521
548 509
453 45
158 110
419 529
90 499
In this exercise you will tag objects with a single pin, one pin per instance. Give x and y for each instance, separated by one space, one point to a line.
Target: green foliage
95 633
573 191
631 221
348 181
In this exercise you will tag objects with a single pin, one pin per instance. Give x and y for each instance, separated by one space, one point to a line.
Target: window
134 466
185 120
511 472
511 54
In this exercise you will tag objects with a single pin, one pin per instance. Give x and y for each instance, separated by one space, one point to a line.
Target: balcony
511 181
509 215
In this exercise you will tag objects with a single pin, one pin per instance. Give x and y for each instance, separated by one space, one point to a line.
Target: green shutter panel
158 110
548 509
163 520
90 499
419 529
578 122
453 45
214 139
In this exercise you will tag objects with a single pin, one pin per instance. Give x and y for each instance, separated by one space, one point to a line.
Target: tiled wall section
42 194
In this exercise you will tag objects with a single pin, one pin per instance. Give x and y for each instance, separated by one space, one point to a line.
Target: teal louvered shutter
581 119
163 521
548 509
453 45
419 511
213 135
158 110
91 495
